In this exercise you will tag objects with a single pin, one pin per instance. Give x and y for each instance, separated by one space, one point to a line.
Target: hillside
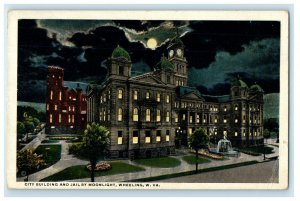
40 107
271 106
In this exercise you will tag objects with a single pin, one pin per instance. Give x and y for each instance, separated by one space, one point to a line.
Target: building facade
150 114
65 108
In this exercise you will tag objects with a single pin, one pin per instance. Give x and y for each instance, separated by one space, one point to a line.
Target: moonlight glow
152 43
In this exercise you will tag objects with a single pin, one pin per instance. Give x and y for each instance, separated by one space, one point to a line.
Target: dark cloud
216 50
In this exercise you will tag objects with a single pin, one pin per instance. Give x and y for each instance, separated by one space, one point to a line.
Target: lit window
60 95
59 118
148 115
69 108
108 94
244 119
197 118
191 119
135 95
176 118
47 106
225 133
216 131
147 95
255 133
148 137
236 107
135 114
120 94
168 117
235 133
176 82
100 116
167 136
108 115
190 131
183 117
204 119
216 119
225 120
120 137
50 118
73 108
104 115
51 95
73 118
104 98
158 117
158 97
167 98
101 99
135 137
225 108
236 121
55 107
158 136
69 118
120 114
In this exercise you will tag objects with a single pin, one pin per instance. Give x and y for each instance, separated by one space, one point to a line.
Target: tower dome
257 88
165 64
239 83
119 52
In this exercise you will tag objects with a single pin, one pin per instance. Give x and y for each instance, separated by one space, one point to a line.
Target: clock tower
176 56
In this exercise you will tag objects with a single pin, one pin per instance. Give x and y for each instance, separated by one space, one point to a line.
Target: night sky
216 51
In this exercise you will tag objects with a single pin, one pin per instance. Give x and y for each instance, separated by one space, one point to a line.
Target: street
266 172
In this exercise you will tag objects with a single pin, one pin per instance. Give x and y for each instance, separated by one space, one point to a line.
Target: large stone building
149 114
65 107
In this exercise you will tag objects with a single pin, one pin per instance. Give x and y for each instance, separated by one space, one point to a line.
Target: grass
180 174
80 171
51 153
162 162
191 159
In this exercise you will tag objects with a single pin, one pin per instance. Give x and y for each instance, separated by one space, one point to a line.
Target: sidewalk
36 141
68 161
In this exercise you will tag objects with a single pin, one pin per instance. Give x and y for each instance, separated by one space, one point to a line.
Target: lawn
80 171
191 159
51 153
162 162
257 150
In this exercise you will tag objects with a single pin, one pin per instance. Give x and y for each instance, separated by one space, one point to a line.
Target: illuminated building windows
135 114
158 116
135 95
50 118
120 114
167 116
51 95
120 137
148 137
167 99
135 137
158 135
148 115
167 135
120 94
147 95
158 97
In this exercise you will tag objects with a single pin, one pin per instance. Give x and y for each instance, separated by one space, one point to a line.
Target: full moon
152 43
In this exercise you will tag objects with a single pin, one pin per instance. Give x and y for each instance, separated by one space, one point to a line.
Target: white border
281 16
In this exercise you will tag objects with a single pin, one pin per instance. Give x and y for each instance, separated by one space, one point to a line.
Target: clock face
179 52
171 53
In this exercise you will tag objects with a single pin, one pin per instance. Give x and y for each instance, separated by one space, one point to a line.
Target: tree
29 128
96 140
20 130
198 140
267 134
29 162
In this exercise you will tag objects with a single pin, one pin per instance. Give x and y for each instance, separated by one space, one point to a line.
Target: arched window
168 117
147 95
158 115
120 94
135 114
135 95
158 97
120 114
148 115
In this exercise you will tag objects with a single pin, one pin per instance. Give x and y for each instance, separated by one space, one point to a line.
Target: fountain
224 148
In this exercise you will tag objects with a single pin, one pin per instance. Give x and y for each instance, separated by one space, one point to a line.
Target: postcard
147 99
